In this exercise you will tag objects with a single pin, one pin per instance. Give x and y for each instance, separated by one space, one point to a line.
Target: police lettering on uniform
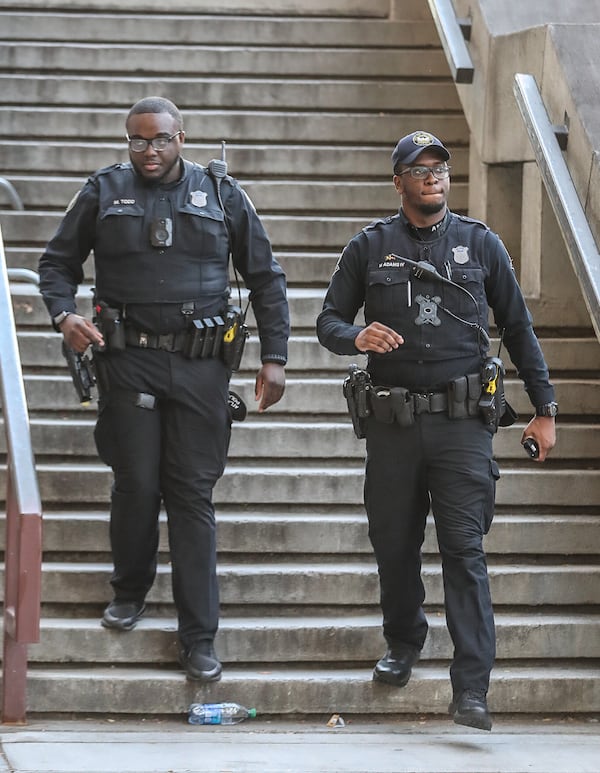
167 333
427 279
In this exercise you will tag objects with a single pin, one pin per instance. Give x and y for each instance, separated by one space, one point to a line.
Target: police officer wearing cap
427 279
161 229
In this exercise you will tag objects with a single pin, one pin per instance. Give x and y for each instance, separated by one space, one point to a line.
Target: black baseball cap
409 148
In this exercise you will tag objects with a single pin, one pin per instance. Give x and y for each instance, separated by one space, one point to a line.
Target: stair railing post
23 553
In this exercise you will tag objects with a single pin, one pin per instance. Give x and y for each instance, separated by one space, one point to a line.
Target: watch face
551 409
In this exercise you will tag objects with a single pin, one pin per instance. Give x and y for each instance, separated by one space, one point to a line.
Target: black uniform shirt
439 321
117 213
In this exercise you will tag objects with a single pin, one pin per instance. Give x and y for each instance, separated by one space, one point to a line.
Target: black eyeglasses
139 144
440 171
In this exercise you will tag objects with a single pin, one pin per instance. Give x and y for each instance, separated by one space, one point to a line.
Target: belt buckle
421 402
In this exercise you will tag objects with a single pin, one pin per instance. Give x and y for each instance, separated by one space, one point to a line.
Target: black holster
494 408
356 388
109 321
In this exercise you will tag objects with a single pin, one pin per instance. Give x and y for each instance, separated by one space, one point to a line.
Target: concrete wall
557 43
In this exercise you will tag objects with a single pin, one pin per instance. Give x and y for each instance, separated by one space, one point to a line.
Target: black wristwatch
59 318
548 409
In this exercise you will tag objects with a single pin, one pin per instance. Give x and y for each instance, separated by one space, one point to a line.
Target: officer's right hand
79 333
378 338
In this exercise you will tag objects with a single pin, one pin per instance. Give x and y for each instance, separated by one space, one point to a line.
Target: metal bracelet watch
548 409
59 318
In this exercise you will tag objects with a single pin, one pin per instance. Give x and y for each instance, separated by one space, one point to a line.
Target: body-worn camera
161 232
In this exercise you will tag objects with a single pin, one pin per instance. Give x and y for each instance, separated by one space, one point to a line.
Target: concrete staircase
310 103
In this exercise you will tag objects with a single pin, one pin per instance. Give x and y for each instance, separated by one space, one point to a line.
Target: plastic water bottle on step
218 713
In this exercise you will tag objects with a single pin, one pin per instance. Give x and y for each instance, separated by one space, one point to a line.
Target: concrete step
288 584
319 532
225 8
43 350
262 93
540 486
544 690
215 58
45 25
303 440
305 639
287 159
314 395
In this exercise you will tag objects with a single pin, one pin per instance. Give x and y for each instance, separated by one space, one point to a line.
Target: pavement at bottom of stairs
118 745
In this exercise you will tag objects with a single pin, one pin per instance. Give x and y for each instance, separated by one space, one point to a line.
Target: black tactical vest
437 320
129 268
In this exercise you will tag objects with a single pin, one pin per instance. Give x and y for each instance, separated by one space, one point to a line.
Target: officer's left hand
543 431
270 385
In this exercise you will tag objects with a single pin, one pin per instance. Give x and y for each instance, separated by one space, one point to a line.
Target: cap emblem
422 139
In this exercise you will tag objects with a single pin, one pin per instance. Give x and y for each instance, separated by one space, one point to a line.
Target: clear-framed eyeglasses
139 144
422 172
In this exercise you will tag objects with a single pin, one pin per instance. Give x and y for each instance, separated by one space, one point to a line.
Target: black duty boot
395 667
122 615
470 708
200 662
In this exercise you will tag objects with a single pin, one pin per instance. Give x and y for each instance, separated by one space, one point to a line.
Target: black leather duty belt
170 342
429 402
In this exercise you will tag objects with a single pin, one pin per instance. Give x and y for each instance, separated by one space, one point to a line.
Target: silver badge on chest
461 254
198 198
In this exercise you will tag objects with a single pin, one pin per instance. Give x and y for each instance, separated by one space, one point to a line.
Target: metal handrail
452 36
23 275
23 552
568 211
15 199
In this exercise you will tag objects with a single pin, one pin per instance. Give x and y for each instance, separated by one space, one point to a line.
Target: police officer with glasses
427 279
161 229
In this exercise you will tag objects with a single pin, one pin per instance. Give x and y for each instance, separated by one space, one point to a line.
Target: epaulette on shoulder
113 168
232 181
466 219
379 222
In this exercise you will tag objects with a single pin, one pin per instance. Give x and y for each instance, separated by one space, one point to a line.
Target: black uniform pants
447 465
174 453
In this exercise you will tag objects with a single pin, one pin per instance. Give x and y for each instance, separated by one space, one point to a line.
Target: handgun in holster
356 389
